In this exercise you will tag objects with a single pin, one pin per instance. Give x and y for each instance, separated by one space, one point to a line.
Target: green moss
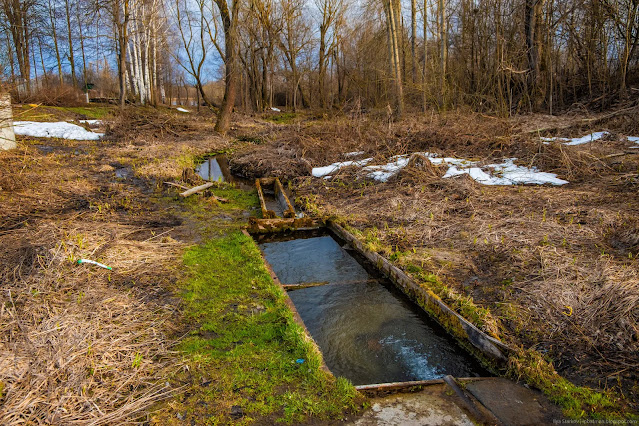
576 401
464 305
247 342
55 113
282 118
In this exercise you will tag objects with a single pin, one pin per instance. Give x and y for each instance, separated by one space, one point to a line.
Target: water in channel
368 331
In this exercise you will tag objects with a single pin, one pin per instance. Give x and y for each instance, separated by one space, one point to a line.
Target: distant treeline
492 55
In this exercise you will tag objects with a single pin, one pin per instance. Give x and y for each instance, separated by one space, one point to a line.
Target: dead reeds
81 344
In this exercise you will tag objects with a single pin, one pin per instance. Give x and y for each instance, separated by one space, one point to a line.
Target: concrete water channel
370 332
370 322
367 330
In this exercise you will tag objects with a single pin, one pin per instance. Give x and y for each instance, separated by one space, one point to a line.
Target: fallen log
196 189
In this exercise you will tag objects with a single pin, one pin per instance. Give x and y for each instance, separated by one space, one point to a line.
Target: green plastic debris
93 262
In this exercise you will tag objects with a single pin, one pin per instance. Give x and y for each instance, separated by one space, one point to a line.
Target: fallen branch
177 185
196 189
620 154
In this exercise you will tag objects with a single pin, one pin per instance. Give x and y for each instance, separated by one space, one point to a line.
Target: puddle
368 331
217 169
123 173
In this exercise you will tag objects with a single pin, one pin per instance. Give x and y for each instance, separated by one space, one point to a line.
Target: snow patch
385 171
61 129
578 141
182 110
634 139
332 168
353 154
276 109
505 173
91 122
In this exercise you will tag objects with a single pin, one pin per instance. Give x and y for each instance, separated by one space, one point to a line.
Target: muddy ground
552 268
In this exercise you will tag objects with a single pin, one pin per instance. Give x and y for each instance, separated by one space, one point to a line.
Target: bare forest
502 57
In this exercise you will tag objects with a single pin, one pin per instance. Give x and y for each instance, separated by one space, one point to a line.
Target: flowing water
368 331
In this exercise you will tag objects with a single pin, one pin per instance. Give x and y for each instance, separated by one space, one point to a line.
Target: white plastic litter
93 262
61 129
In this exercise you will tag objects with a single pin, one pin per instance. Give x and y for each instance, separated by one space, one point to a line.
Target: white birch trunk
7 136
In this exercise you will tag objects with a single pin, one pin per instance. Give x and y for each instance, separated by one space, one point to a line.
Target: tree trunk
55 41
122 42
392 21
532 13
413 38
443 54
71 56
229 23
7 136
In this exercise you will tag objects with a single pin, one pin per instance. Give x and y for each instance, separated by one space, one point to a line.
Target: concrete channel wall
491 351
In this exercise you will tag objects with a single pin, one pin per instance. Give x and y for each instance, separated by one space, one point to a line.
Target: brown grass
81 344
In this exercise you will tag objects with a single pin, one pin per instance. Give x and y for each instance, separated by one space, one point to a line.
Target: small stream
368 331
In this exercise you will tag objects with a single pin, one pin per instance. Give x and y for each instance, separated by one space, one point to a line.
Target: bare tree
18 14
393 10
229 15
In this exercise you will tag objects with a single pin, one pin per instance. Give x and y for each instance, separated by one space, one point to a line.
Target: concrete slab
435 405
513 404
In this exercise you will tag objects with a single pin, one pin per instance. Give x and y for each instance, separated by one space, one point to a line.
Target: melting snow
353 154
332 168
386 171
91 122
506 173
61 129
634 139
578 141
182 110
276 109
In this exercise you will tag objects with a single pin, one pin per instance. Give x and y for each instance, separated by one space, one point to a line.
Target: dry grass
80 344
